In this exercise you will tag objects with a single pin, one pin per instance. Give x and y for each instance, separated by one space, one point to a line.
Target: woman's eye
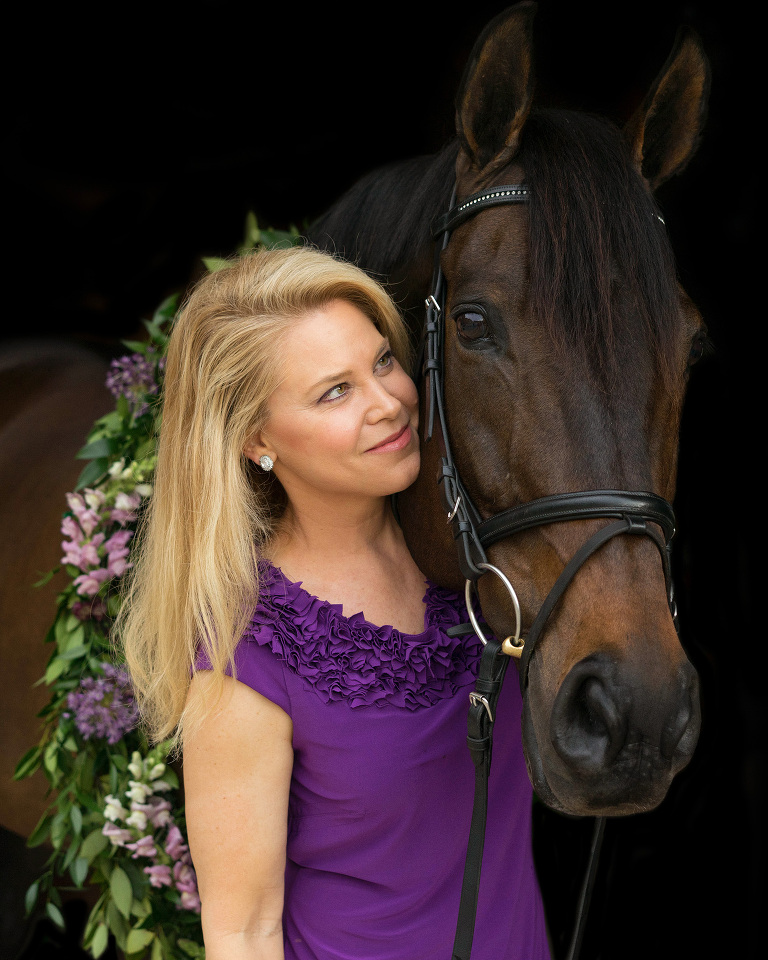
472 327
385 360
335 392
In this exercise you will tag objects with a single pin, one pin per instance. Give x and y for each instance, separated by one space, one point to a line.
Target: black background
136 144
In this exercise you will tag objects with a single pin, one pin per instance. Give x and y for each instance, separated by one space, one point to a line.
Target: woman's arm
237 774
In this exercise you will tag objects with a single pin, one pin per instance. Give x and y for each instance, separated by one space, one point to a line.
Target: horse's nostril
588 725
681 732
603 706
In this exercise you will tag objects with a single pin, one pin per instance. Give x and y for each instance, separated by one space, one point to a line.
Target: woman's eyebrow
334 378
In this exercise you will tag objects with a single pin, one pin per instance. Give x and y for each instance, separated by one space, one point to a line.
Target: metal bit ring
512 645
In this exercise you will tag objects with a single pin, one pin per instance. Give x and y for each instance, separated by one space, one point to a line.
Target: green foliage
116 819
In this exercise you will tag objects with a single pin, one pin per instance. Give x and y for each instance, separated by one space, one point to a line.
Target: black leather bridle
631 513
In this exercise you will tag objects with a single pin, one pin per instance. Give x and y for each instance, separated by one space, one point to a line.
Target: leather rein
630 513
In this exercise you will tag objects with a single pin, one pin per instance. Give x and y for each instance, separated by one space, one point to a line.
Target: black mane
595 234
382 222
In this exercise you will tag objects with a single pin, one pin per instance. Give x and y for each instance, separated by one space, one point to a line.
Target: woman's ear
257 447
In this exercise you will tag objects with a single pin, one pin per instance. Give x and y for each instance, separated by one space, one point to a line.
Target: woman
328 785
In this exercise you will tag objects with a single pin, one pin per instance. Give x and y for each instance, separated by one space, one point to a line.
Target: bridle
631 513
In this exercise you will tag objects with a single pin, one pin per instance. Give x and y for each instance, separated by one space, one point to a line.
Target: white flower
157 771
159 785
136 767
114 810
138 792
116 468
144 489
137 819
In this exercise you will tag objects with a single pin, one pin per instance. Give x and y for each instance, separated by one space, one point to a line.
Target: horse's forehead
491 248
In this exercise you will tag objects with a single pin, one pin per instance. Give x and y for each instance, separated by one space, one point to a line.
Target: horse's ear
665 130
496 91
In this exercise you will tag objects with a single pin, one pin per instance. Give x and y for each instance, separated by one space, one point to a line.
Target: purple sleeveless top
382 786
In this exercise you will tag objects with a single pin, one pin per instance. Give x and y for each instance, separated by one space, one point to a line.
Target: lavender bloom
174 845
159 875
190 901
89 584
104 706
186 883
118 837
144 847
95 610
133 377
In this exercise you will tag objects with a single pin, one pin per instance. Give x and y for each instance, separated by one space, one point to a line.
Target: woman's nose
384 405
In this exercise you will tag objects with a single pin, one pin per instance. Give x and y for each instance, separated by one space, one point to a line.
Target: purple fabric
382 787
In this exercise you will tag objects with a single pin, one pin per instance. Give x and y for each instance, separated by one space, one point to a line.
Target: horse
51 392
566 343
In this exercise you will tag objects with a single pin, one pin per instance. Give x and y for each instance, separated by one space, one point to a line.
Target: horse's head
568 343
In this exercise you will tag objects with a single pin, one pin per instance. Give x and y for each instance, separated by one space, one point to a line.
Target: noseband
631 513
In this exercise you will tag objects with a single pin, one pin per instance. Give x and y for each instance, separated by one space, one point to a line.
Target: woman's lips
397 441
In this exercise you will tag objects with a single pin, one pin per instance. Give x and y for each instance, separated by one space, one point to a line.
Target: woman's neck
349 530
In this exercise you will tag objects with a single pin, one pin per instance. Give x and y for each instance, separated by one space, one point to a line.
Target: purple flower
159 875
104 707
174 845
89 584
190 901
134 377
126 505
184 877
118 837
144 847
93 610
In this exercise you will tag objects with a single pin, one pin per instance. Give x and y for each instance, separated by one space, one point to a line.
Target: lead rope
482 713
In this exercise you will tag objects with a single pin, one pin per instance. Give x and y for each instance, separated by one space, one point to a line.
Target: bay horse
567 345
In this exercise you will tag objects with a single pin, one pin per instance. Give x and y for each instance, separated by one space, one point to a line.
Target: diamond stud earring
266 463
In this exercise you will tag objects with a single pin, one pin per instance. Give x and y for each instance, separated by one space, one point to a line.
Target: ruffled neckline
350 659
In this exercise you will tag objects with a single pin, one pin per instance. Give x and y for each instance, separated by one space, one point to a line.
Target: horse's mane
595 231
383 221
595 234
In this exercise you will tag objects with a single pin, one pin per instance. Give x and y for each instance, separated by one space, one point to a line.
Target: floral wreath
116 820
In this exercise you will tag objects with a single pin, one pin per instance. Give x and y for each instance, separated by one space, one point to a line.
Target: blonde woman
280 629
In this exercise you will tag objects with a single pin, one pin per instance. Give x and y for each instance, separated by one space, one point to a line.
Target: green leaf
71 638
157 950
76 819
28 763
138 939
40 833
55 668
46 578
92 473
121 890
54 914
78 870
93 845
212 264
30 897
103 447
74 654
191 948
99 940
136 346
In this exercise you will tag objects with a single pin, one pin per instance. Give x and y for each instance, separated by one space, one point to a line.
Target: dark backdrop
135 145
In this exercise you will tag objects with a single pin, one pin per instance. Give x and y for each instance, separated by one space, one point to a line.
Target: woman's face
344 420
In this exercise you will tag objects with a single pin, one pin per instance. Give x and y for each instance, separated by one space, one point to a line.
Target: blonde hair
194 584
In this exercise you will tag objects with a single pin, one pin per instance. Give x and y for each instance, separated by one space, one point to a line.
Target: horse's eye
700 346
472 327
